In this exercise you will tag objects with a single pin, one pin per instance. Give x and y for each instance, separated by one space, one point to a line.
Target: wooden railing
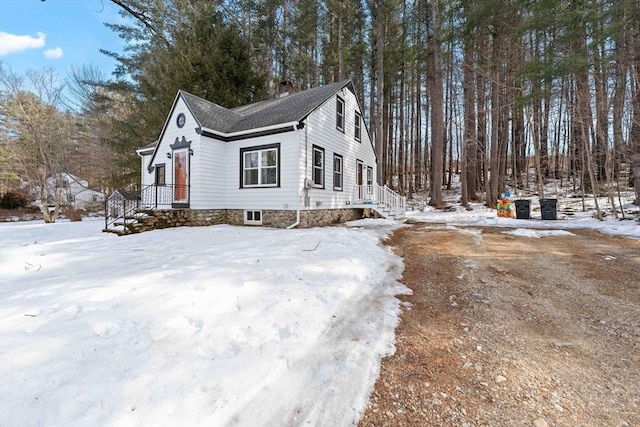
380 196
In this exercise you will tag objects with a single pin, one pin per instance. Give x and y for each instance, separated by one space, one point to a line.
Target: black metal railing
124 209
120 211
154 195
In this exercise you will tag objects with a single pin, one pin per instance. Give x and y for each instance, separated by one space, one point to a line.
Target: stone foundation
157 219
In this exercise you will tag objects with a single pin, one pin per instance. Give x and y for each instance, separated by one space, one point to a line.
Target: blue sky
57 33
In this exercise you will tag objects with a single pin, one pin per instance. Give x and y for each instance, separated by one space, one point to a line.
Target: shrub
14 199
72 214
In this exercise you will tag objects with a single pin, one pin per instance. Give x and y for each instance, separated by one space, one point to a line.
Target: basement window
253 217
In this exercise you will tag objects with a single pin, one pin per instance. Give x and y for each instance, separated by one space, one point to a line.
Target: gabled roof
287 109
243 120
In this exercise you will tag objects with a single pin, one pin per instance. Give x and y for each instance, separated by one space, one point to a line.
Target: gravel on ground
508 330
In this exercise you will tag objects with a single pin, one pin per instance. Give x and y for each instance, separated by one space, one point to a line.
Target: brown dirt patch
507 330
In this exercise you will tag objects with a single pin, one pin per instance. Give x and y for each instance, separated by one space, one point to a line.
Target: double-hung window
318 167
161 174
340 114
357 126
337 172
260 166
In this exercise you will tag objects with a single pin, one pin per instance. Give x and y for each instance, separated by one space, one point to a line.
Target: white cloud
56 53
11 43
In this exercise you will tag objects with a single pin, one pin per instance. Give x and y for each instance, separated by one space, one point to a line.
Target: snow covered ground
567 218
224 326
206 326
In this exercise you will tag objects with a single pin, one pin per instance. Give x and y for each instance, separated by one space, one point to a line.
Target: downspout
300 126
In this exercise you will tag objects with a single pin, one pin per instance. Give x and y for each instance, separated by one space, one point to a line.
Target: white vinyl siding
216 166
323 133
163 153
283 196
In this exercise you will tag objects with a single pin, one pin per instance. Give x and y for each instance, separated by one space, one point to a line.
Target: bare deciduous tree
36 133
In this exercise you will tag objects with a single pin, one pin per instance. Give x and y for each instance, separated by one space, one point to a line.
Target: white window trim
340 122
252 213
358 127
341 184
260 151
314 167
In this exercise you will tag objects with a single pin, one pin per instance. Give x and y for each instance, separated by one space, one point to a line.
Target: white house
300 159
72 191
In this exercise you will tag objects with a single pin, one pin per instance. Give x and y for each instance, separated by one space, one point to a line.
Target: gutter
144 151
295 224
253 130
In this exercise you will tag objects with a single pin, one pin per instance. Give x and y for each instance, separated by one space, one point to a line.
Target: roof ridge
199 98
260 114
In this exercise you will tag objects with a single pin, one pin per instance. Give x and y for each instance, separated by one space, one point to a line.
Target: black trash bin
548 208
523 209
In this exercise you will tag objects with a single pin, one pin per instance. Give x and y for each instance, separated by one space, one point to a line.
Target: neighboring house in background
300 159
73 191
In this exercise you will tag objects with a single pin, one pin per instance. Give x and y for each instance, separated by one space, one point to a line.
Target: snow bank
481 216
193 326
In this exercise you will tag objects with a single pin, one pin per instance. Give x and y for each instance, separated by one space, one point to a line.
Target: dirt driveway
506 330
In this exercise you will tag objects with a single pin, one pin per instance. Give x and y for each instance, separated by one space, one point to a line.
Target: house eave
145 151
250 133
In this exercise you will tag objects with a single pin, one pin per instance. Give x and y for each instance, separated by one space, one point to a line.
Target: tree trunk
468 175
380 142
494 161
437 116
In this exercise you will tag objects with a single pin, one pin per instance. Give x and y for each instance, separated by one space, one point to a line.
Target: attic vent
286 87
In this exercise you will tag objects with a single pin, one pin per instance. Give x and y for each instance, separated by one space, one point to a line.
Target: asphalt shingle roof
291 108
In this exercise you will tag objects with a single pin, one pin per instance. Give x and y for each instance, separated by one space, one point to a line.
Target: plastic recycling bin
548 208
523 209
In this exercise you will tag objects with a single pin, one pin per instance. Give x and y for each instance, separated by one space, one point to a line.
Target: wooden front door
181 176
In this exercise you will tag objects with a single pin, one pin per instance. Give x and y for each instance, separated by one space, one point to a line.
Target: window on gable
161 174
340 114
318 167
357 126
337 172
71 198
260 166
62 183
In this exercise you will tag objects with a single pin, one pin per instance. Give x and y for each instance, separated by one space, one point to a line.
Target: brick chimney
286 88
